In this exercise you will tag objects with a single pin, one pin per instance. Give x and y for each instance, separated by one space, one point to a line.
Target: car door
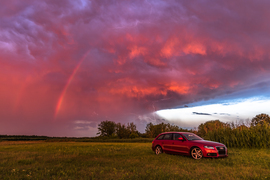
167 142
179 146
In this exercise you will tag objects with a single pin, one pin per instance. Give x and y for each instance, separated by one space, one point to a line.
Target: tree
208 126
242 127
260 119
131 127
150 130
106 128
128 131
122 131
153 130
132 130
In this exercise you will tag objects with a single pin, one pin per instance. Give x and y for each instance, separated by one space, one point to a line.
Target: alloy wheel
196 153
158 150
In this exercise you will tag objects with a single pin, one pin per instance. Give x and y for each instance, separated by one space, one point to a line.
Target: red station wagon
188 144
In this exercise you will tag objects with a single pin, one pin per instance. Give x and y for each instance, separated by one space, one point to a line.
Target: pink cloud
136 54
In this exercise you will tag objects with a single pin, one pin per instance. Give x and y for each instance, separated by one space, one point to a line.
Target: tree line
255 133
112 129
245 134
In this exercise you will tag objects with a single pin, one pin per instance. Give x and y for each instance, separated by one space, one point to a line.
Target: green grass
91 160
71 139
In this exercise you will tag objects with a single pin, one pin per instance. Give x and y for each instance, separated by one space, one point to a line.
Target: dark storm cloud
196 113
136 57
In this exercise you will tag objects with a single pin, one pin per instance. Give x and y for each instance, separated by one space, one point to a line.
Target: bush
133 135
241 135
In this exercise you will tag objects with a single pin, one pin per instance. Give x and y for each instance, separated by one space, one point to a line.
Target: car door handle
172 143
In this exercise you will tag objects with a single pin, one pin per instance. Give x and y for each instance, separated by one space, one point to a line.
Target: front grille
221 150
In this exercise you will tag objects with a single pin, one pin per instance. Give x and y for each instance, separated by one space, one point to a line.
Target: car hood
207 143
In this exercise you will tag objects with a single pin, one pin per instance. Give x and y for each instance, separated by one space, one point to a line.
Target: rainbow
61 98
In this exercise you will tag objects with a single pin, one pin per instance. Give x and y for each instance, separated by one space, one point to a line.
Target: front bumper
215 152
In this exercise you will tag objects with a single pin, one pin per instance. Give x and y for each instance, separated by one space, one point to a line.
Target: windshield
191 136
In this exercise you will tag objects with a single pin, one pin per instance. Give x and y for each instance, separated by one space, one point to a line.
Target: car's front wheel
196 153
158 150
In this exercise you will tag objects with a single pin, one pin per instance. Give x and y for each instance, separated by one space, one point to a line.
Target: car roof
176 132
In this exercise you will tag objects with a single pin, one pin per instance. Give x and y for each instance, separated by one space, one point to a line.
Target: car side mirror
180 139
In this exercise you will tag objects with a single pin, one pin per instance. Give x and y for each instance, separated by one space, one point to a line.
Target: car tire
196 153
158 150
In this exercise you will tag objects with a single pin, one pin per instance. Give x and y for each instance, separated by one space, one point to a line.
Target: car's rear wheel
196 153
158 150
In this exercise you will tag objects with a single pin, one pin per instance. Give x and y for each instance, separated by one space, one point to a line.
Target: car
187 143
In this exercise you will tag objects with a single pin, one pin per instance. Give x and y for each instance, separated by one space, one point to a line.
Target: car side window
168 137
160 137
176 136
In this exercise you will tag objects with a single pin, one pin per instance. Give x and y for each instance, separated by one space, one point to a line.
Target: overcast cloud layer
67 65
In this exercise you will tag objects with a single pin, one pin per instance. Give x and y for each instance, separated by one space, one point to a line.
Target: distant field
92 160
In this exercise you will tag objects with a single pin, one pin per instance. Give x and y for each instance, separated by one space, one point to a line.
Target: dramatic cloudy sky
65 66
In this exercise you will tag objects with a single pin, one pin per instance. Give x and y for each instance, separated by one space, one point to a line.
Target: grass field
91 160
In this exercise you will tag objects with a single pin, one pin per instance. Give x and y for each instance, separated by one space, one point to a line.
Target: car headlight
209 147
